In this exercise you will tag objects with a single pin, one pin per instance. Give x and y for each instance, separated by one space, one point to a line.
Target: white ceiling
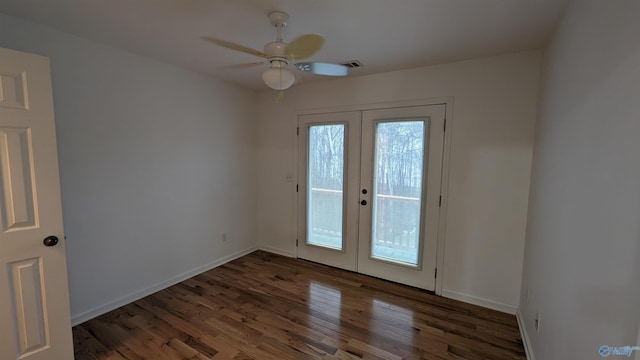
383 34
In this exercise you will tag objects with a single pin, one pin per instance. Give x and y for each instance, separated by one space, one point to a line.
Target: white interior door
34 299
369 191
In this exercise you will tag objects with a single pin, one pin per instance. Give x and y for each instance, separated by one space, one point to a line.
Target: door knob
363 202
50 241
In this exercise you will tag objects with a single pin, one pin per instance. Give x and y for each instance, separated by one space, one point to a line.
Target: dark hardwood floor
265 306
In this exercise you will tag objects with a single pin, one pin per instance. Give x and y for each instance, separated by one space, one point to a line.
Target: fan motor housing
276 49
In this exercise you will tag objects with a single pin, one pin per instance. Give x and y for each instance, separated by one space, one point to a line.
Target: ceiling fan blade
304 46
234 46
319 68
243 66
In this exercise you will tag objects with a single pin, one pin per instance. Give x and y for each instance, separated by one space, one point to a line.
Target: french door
369 191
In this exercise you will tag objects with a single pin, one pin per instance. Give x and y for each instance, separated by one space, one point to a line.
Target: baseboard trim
112 305
509 309
277 251
528 350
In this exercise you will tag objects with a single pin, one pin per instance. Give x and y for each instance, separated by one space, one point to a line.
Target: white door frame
446 157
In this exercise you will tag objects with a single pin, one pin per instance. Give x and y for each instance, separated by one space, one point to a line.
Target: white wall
582 257
493 125
155 163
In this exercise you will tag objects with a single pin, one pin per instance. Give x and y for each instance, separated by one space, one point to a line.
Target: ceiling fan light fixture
278 77
281 54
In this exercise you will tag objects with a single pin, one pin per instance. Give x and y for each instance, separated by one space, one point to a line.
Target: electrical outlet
536 322
224 237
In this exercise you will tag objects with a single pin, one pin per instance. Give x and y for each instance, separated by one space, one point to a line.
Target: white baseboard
112 305
273 250
509 309
525 336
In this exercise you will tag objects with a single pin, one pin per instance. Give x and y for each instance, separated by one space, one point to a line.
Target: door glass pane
397 195
325 184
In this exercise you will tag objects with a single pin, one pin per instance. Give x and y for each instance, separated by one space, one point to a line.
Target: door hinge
445 125
436 274
440 201
296 187
298 130
296 242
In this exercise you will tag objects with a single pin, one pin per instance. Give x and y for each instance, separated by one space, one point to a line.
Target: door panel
401 169
34 299
328 146
369 191
26 287
17 179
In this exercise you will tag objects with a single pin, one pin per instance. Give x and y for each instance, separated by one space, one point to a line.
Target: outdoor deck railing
394 229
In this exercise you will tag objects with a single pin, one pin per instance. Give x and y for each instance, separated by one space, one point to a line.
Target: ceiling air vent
352 64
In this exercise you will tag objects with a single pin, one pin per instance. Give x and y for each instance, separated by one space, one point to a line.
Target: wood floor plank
265 306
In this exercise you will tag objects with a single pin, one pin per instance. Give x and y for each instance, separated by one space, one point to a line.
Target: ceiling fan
280 54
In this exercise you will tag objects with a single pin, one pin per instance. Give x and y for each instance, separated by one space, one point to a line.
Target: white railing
396 223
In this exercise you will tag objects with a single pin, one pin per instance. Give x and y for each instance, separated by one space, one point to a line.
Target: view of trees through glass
325 179
396 197
398 164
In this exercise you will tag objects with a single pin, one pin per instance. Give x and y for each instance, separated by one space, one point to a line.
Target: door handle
50 241
363 202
